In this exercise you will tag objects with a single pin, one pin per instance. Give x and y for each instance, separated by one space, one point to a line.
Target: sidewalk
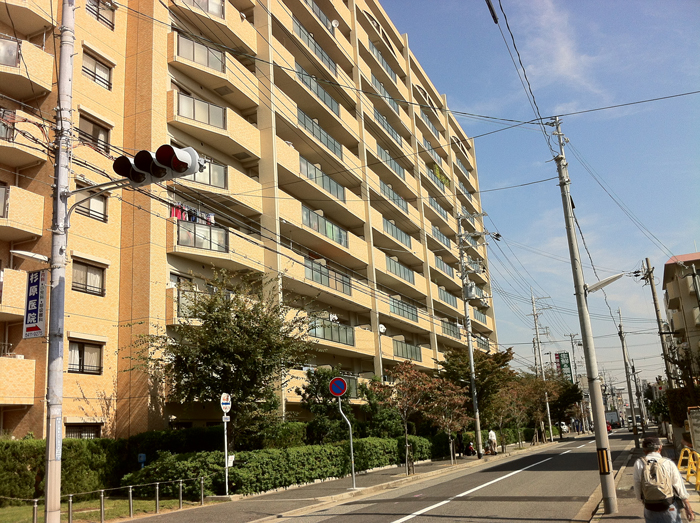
299 500
629 509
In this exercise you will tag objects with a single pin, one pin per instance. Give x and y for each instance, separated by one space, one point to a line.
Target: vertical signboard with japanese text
35 308
565 365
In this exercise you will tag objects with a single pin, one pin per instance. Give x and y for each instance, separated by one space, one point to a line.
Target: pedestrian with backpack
658 484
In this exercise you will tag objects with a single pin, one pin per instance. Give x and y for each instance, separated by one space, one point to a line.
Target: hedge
267 469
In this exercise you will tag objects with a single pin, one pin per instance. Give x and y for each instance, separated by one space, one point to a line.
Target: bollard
201 491
131 502
36 501
180 494
102 506
157 501
70 508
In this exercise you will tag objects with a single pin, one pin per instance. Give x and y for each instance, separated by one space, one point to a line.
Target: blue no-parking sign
338 387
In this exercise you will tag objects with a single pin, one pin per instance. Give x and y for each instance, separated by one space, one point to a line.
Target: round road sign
225 402
338 386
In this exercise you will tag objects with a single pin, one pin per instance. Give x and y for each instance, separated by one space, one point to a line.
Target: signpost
226 407
338 387
35 312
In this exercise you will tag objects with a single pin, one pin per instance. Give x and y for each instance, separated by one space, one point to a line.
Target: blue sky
578 56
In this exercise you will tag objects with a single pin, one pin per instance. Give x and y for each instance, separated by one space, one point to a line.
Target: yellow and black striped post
604 461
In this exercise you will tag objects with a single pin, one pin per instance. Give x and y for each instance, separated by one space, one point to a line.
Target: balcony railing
379 86
388 192
407 350
465 191
214 174
463 167
397 233
322 136
10 50
306 37
482 343
430 124
406 310
200 54
393 164
438 208
7 118
479 316
400 270
448 298
212 7
327 277
321 225
439 236
478 291
201 111
200 236
474 264
440 264
324 181
380 58
437 181
310 82
320 15
381 120
432 152
331 331
450 329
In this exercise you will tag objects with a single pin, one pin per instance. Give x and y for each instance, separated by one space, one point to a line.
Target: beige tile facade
682 303
333 161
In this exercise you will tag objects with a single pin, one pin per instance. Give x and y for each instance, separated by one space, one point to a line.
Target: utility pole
54 392
601 434
537 361
584 420
468 327
539 351
625 357
642 414
649 277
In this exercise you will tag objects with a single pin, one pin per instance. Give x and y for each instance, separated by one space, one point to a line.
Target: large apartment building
332 162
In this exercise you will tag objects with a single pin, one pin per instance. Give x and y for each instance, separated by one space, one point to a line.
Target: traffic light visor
178 160
124 167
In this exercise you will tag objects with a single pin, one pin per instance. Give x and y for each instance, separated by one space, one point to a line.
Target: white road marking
564 452
582 445
427 509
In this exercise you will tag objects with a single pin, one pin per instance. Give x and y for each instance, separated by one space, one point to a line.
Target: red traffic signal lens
124 167
178 160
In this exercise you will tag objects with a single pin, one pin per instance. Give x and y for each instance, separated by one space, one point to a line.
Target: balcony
344 340
220 127
308 39
312 127
330 331
384 124
218 20
226 186
215 70
25 70
374 50
673 297
13 289
397 275
210 245
29 16
447 297
482 343
407 351
21 214
392 230
17 383
451 329
379 86
432 152
405 315
403 309
16 150
429 124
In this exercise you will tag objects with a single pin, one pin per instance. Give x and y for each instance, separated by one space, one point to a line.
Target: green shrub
285 435
375 452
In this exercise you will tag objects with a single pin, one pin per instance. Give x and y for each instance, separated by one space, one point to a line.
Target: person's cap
651 443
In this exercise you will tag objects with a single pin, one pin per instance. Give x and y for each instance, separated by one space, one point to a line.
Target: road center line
582 445
436 505
565 452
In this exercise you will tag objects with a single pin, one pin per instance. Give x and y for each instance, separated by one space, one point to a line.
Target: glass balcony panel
380 58
438 208
320 224
397 233
381 120
391 163
450 329
407 350
406 310
447 297
430 124
311 126
320 15
441 237
306 37
331 331
400 270
432 152
379 86
200 236
479 316
440 264
321 179
310 82
393 196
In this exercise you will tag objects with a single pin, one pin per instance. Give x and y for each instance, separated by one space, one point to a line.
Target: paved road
549 486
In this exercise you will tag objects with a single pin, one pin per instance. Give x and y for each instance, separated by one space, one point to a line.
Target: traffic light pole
607 482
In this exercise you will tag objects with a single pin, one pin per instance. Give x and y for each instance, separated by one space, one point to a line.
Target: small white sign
226 402
225 419
231 459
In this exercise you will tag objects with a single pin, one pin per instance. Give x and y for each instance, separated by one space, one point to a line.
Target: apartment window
97 71
91 205
9 52
90 431
84 358
7 118
201 111
88 279
213 174
101 11
93 134
200 236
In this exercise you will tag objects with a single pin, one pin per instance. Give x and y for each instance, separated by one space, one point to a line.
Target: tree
382 421
408 395
510 405
327 424
563 404
491 370
446 409
238 337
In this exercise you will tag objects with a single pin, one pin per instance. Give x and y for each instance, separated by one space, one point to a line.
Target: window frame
87 211
96 9
82 427
92 73
79 367
77 287
89 138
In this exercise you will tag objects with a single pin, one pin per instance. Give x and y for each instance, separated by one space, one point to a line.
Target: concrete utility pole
468 326
539 351
625 357
601 434
54 393
640 402
584 419
649 277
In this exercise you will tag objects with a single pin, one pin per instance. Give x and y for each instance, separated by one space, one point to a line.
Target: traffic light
167 163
